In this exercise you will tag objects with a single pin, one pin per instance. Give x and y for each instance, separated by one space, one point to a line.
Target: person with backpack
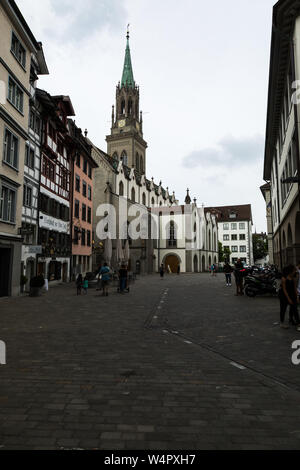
288 297
228 271
105 278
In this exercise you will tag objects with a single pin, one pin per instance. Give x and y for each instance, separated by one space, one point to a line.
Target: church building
121 181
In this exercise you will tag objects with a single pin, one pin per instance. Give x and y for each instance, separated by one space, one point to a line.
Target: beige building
282 148
18 47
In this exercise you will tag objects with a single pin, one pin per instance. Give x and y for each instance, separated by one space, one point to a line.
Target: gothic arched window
152 202
116 156
121 189
130 107
144 199
133 195
141 164
123 107
124 158
172 234
137 162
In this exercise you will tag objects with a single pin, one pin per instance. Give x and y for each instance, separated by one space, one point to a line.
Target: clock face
122 123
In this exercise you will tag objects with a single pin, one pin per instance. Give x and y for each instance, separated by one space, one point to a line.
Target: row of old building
282 148
53 179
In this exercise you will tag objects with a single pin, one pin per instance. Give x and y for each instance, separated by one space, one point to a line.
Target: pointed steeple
127 77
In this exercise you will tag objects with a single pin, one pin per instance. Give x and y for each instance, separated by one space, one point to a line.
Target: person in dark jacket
288 296
123 276
79 283
239 279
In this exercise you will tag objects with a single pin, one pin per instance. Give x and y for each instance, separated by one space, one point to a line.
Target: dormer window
232 215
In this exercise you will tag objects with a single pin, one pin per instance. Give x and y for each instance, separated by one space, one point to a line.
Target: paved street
179 363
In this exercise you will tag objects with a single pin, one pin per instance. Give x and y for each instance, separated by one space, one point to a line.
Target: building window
90 172
234 237
233 226
85 164
124 158
11 149
242 226
171 234
234 249
89 193
84 188
83 237
225 238
27 196
76 209
29 157
133 195
83 215
89 217
8 205
242 237
88 242
18 50
64 179
78 160
15 95
121 189
76 235
243 249
144 199
77 184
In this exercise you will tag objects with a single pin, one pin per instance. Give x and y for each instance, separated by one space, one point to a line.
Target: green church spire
127 77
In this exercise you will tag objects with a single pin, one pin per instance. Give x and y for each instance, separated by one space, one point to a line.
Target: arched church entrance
171 263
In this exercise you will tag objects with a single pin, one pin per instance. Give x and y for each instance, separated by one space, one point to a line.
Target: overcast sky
202 68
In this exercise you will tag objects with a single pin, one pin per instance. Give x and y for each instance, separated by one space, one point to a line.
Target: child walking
85 285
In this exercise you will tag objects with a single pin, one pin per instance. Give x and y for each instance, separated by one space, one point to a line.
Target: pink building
83 167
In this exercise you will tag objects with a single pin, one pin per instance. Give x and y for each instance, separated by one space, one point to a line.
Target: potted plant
23 282
36 285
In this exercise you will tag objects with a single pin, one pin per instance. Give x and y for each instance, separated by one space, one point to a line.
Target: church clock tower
126 141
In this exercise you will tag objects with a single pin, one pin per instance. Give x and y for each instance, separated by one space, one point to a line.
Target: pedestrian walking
105 278
85 285
123 278
239 279
228 271
162 271
288 296
79 282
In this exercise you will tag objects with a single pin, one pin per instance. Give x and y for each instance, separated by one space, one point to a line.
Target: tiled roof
243 212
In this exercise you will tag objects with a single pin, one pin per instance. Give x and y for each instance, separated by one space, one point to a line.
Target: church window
137 162
133 195
144 199
141 165
121 189
130 107
115 156
123 107
152 201
171 234
124 158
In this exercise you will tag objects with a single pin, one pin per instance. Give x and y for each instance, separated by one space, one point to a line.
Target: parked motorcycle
259 285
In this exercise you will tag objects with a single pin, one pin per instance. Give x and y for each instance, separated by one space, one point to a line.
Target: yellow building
18 49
